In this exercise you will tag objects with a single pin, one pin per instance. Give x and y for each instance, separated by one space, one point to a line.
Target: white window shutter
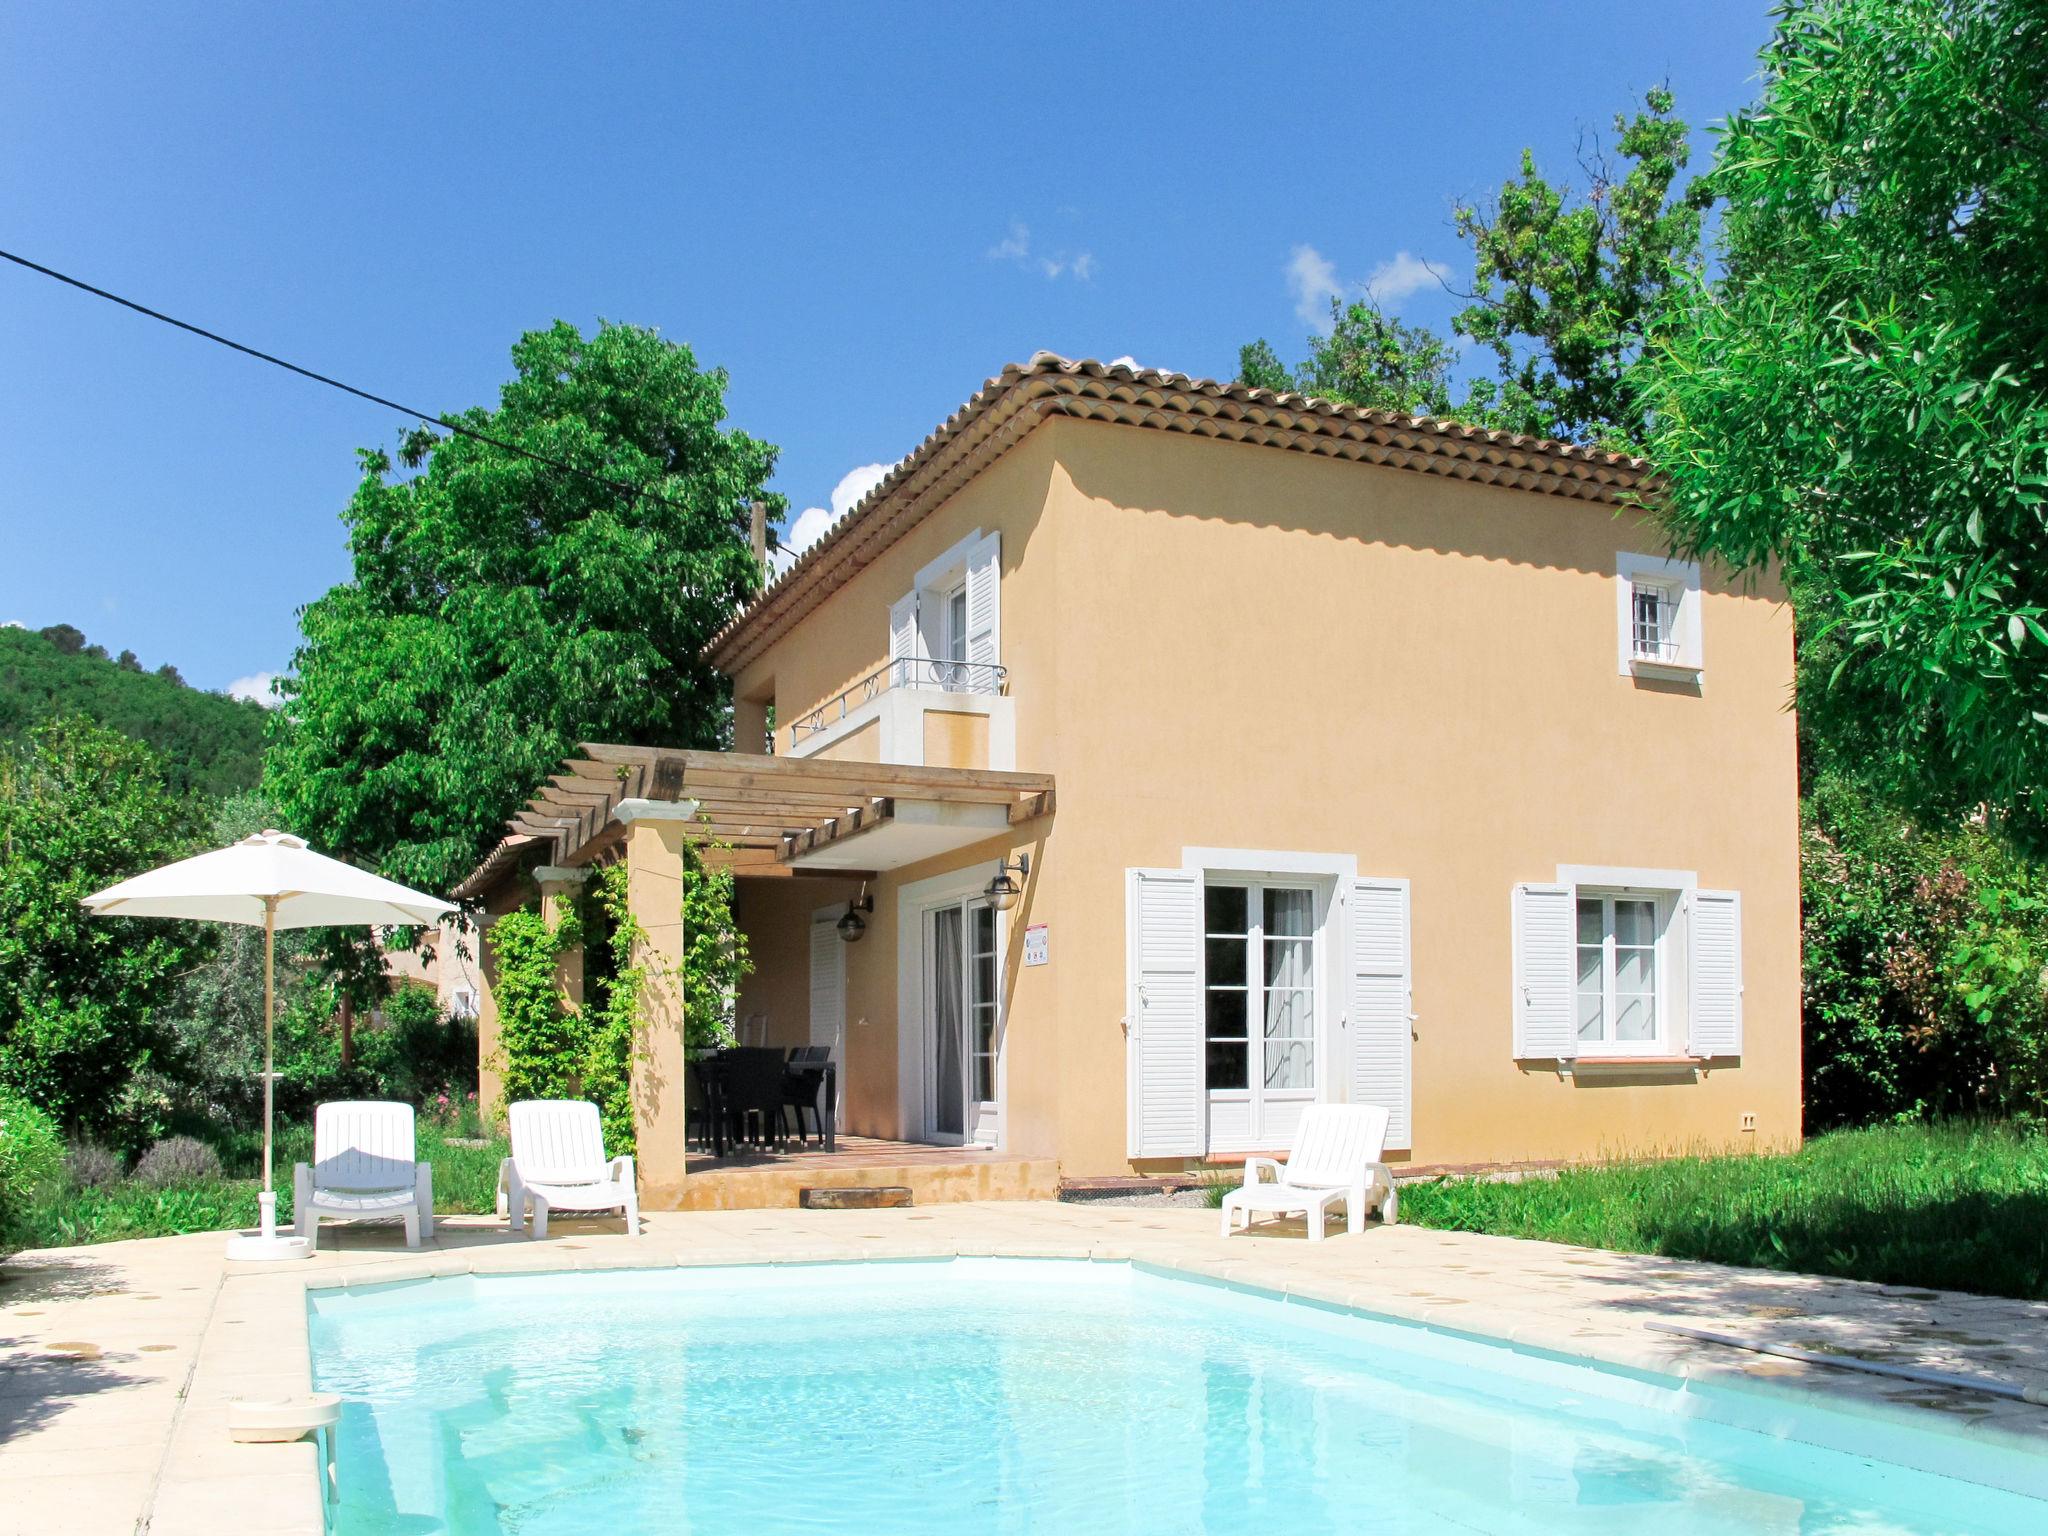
1378 1001
1163 1013
902 638
984 603
1715 1012
1546 918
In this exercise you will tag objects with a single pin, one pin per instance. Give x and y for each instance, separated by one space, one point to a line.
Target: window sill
1668 671
1679 1068
1633 1061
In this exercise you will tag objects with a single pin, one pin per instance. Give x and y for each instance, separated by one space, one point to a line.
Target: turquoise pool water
1004 1396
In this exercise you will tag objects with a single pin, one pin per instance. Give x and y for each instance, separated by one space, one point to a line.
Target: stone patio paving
117 1361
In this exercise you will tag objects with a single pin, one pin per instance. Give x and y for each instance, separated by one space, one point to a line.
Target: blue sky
861 212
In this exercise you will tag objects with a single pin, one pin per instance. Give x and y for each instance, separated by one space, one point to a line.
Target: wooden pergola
763 815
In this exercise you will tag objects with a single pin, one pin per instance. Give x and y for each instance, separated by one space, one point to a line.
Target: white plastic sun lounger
1336 1160
558 1164
363 1169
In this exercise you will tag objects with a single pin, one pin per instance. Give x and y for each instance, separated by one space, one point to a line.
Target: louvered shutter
1715 945
902 640
1545 950
984 607
1163 1013
1378 1002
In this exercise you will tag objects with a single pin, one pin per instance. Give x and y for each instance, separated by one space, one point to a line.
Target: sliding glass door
962 1020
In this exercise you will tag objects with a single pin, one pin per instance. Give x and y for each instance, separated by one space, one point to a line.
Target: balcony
915 710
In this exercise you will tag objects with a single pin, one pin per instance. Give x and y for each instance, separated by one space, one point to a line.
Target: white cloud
809 525
1312 279
1015 247
1126 361
854 484
1392 281
255 686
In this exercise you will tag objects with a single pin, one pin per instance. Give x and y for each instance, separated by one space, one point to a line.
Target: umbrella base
268 1245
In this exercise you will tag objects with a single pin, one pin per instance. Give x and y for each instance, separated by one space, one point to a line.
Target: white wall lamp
1002 891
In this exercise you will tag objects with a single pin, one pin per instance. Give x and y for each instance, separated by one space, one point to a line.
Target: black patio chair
803 1087
750 1079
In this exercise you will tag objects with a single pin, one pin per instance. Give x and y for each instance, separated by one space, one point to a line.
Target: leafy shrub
418 1053
178 1160
1925 953
88 1165
31 1158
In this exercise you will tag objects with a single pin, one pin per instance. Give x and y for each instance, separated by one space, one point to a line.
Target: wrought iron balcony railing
924 672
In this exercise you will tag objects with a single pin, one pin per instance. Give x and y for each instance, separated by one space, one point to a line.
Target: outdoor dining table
820 1084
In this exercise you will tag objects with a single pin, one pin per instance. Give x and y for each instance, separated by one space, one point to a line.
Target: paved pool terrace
117 1361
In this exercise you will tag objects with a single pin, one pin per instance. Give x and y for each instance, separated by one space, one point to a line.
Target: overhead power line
428 417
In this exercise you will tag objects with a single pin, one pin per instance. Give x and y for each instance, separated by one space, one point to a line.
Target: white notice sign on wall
1036 947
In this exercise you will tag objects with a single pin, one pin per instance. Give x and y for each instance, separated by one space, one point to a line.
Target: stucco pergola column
656 831
490 1081
559 888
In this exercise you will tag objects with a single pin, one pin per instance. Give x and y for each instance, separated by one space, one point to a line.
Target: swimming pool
1019 1395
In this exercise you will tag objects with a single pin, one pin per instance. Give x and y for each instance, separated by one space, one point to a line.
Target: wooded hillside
208 741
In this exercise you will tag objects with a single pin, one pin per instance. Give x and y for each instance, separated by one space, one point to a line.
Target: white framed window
1657 604
1613 962
1653 620
1259 988
1618 992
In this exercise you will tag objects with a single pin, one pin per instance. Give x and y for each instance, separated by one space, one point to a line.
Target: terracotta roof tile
1009 405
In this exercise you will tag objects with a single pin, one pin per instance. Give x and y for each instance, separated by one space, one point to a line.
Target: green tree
1859 394
80 808
1369 358
1563 287
500 609
1259 366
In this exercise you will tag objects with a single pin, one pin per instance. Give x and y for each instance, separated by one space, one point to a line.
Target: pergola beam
765 810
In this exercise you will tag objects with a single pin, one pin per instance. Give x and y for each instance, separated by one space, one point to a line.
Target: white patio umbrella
272 880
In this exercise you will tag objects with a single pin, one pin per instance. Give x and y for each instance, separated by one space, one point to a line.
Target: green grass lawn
1958 1207
465 1180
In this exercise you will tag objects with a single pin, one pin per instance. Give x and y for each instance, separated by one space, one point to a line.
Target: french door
1260 1011
961 1022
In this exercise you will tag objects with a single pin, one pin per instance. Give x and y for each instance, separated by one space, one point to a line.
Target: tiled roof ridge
1007 406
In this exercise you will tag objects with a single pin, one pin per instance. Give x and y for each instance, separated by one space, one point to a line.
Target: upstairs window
952 673
1655 608
1658 612
945 632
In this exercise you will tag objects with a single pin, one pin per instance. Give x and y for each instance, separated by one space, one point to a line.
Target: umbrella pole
269 1197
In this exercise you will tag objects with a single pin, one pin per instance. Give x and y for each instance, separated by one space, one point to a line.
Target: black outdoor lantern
853 925
1003 890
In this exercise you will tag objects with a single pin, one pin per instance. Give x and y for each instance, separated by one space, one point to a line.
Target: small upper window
1658 610
1655 620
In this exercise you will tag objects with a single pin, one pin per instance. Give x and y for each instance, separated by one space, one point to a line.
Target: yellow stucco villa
1310 754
